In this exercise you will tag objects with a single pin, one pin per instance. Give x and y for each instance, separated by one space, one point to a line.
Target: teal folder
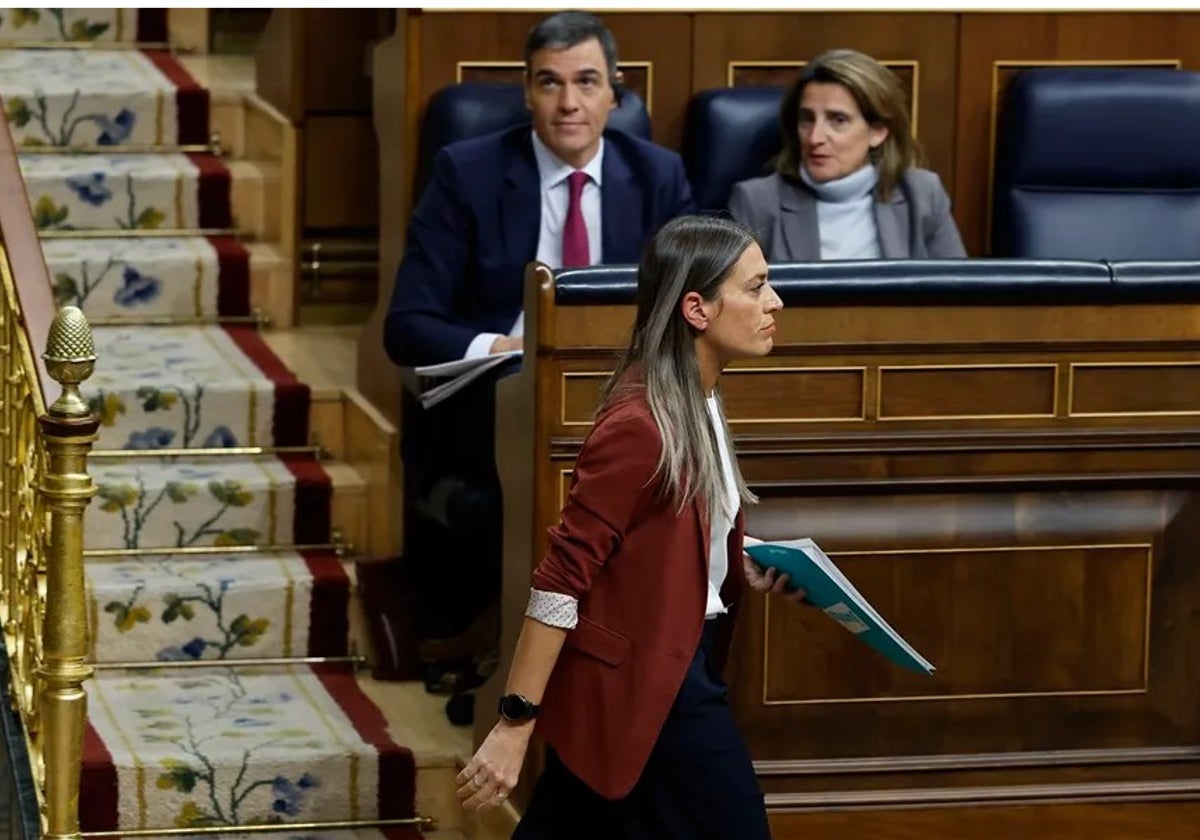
810 569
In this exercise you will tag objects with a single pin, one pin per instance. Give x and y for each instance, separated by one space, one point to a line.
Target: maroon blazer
640 572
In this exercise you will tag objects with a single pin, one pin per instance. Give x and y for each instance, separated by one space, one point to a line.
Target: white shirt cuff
481 345
553 609
749 540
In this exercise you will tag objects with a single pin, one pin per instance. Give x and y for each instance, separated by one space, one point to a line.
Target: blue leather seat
918 282
472 109
731 134
1098 163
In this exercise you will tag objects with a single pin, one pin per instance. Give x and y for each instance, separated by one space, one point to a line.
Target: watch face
514 707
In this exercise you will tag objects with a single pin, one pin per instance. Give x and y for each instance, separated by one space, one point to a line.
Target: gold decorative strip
262 662
231 451
994 116
260 319
423 823
336 547
122 149
141 233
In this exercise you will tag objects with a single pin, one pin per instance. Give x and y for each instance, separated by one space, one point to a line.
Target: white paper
456 375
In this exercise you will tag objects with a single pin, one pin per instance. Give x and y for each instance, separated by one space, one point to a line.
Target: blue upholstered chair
1098 163
731 135
472 109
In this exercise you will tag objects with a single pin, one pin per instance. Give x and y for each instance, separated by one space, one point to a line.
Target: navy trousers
698 784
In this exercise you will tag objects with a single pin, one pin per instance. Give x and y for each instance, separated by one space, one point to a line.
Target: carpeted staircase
205 556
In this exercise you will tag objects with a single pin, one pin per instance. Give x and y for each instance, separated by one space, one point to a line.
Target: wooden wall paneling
993 46
767 48
341 172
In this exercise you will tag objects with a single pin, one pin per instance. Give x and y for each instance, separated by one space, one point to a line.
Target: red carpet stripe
233 280
191 99
213 185
397 767
329 619
314 497
289 427
97 785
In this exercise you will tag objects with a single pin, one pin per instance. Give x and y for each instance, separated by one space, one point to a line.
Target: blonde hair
879 96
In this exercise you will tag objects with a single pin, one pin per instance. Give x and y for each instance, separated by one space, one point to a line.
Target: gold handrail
43 471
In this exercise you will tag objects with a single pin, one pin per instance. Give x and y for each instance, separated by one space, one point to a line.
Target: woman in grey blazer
846 186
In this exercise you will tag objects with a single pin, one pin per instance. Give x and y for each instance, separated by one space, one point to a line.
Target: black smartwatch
514 708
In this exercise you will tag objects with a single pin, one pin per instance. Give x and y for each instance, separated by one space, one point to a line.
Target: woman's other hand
769 580
492 773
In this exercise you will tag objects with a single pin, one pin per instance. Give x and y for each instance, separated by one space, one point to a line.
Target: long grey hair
689 254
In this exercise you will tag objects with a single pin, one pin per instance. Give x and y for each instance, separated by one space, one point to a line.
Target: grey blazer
915 224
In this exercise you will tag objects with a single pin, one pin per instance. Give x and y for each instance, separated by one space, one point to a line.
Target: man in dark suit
497 202
564 191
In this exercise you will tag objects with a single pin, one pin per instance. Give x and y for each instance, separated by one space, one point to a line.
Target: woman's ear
694 311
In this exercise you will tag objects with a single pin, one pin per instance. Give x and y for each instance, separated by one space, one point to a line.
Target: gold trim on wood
423 823
860 370
622 65
837 701
1068 793
994 115
1071 389
732 66
1051 366
562 392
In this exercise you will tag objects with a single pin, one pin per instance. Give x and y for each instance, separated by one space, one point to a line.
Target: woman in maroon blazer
614 662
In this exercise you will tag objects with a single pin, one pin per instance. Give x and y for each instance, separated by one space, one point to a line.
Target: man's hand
506 344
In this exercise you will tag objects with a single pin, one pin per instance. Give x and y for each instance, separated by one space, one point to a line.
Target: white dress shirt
556 198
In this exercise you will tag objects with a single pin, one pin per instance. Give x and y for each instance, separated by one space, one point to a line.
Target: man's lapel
521 205
620 209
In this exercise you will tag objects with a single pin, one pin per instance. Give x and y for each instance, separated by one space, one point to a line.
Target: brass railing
44 488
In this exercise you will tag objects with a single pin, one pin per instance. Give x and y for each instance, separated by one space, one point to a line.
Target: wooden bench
1005 458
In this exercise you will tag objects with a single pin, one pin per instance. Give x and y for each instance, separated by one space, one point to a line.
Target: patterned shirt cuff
553 609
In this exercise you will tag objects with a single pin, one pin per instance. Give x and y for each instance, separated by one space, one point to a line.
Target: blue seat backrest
971 282
1098 163
472 109
731 134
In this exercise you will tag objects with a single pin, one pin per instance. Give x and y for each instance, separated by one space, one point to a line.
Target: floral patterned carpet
194 557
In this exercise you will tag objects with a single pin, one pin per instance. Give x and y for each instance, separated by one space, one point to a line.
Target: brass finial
70 359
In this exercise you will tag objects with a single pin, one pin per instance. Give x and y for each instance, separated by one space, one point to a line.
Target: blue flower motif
192 650
91 188
115 130
250 723
136 288
195 648
288 797
220 438
156 437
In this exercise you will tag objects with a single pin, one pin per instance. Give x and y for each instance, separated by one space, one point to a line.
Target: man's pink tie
575 235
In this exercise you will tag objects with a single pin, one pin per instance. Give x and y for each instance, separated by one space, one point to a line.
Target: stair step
222 606
192 386
99 97
157 277
225 747
126 192
163 504
95 25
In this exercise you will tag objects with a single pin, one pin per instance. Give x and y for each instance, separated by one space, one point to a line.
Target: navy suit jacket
476 228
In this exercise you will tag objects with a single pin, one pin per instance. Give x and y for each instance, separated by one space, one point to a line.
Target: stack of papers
808 568
437 382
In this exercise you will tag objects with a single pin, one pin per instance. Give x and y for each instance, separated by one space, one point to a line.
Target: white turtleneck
846 215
